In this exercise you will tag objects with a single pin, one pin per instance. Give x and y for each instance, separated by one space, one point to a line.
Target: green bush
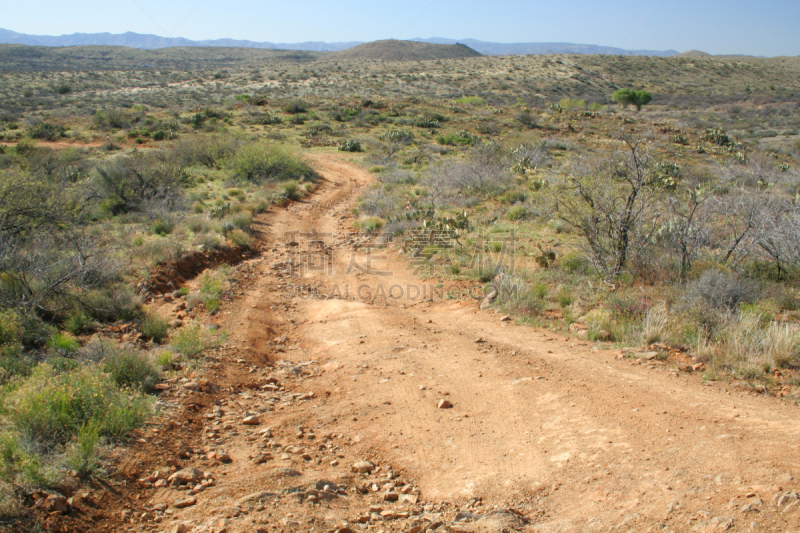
155 327
50 408
162 227
77 322
470 100
259 163
193 339
131 369
238 238
82 457
350 145
626 97
295 107
63 343
462 138
517 212
46 131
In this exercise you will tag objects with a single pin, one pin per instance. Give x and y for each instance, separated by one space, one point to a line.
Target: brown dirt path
546 433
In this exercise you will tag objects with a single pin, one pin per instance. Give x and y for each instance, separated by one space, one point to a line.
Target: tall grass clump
50 408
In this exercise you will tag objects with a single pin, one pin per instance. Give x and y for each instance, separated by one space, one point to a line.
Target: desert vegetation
673 227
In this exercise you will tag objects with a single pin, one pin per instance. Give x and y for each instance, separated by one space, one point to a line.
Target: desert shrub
517 212
350 145
207 150
261 163
154 327
50 408
46 131
427 122
193 339
238 238
720 290
77 321
462 138
82 455
63 88
470 100
162 227
113 119
369 224
139 181
63 343
131 368
115 302
626 97
296 107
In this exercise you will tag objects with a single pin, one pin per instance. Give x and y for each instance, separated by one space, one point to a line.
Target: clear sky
764 27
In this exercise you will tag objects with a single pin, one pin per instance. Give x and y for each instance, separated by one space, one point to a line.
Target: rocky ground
338 405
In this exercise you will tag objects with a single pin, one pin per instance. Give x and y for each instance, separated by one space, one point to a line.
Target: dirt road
545 433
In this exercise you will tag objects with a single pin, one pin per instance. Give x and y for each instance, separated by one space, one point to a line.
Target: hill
694 53
392 50
520 49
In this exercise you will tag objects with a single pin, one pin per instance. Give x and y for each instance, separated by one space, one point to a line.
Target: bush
131 369
46 131
82 457
350 145
626 97
63 343
77 322
238 238
154 327
259 163
193 339
50 408
517 212
470 100
723 291
462 138
295 107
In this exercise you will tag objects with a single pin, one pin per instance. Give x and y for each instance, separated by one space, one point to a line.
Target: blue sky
767 27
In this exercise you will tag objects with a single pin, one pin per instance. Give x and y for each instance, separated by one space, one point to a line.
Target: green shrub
50 408
626 97
77 322
17 465
131 369
517 212
462 138
63 343
82 457
261 163
470 100
46 131
63 88
193 339
154 327
239 238
164 359
350 145
295 107
11 330
162 227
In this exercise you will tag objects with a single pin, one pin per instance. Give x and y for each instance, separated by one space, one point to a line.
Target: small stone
649 355
192 385
185 527
505 319
186 502
251 421
363 467
54 503
187 475
444 404
391 497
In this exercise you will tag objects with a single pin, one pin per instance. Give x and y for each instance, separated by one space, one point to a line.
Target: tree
626 97
608 202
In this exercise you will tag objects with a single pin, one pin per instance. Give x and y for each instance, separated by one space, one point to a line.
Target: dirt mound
172 275
391 50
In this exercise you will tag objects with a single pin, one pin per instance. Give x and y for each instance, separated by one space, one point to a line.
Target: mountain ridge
149 41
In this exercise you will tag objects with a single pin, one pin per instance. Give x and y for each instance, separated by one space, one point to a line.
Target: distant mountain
138 40
394 50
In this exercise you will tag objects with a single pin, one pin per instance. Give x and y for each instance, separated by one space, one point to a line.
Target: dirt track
546 433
